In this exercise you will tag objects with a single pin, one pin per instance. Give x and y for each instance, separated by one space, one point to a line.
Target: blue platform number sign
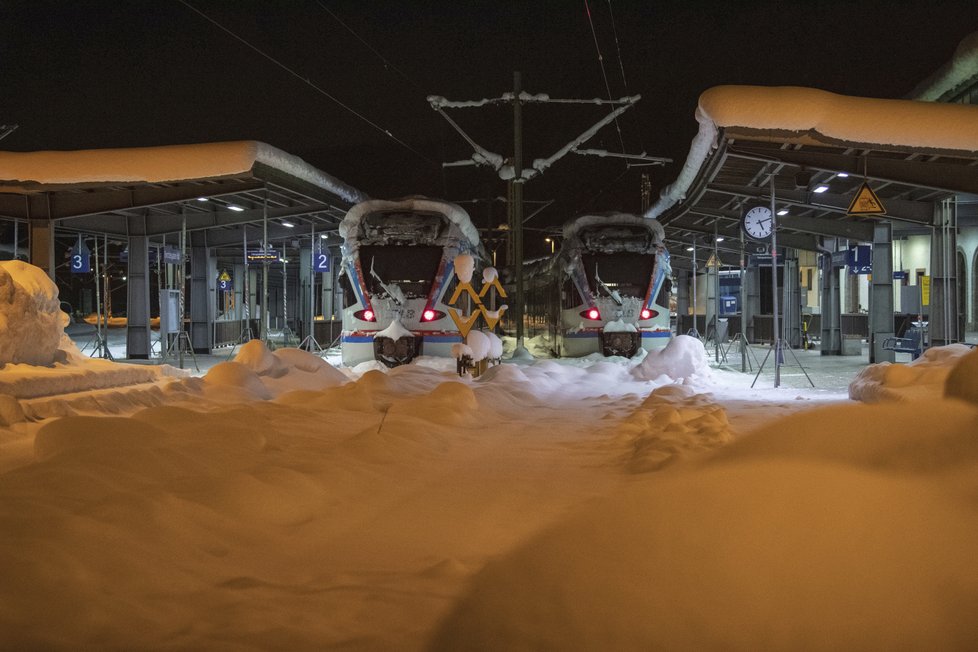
224 283
80 258
320 261
860 259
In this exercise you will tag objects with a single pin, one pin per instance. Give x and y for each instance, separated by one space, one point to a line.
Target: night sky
95 74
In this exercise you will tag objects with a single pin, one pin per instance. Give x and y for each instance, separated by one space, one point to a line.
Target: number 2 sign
320 261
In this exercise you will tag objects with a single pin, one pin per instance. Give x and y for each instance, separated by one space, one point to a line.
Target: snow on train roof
572 228
163 164
349 227
812 116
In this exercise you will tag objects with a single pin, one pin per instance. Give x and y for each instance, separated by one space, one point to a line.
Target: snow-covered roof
955 75
456 214
163 164
812 116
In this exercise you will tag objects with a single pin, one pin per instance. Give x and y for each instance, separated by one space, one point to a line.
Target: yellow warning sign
224 276
866 202
925 290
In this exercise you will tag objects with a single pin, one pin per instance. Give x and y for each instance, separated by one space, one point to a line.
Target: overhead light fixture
690 248
202 199
783 211
842 175
720 239
235 208
323 236
820 188
288 224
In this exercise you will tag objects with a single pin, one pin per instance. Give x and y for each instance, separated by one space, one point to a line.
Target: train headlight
365 315
646 313
591 313
431 315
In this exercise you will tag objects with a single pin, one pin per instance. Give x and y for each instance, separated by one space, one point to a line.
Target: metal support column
830 304
139 340
943 309
203 292
881 294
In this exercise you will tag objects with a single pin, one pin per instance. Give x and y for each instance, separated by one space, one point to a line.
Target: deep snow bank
31 320
842 528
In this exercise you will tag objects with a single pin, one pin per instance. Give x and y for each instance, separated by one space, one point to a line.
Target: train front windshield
411 268
627 272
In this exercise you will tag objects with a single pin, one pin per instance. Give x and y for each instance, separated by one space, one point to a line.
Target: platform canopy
819 148
218 187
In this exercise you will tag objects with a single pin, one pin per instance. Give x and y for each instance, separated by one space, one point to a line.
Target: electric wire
306 81
387 64
621 65
604 74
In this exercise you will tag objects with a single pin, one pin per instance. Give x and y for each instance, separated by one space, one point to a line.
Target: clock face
757 222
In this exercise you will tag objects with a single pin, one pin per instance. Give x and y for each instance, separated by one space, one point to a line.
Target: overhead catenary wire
604 74
307 81
387 64
614 30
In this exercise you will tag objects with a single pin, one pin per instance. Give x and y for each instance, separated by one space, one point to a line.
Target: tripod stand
746 352
778 346
100 345
182 343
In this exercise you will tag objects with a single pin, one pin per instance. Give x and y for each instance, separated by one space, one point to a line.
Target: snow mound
256 356
962 380
806 531
682 359
495 345
503 374
236 376
671 423
261 374
479 343
31 319
923 378
308 362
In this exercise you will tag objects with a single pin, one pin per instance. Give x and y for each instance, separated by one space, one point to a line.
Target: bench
910 344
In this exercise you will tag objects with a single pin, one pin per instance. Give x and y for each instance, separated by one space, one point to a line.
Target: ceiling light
323 236
820 188
202 199
288 224
690 248
783 211
235 208
842 175
720 239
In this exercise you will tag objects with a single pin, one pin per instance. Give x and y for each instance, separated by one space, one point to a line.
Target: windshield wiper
611 293
392 289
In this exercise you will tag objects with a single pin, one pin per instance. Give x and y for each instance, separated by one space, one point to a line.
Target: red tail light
591 313
365 315
431 315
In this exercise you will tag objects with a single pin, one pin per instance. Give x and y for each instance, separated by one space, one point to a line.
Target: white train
398 270
607 289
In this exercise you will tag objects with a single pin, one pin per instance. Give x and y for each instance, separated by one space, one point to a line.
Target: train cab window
349 296
570 297
626 272
410 268
664 292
